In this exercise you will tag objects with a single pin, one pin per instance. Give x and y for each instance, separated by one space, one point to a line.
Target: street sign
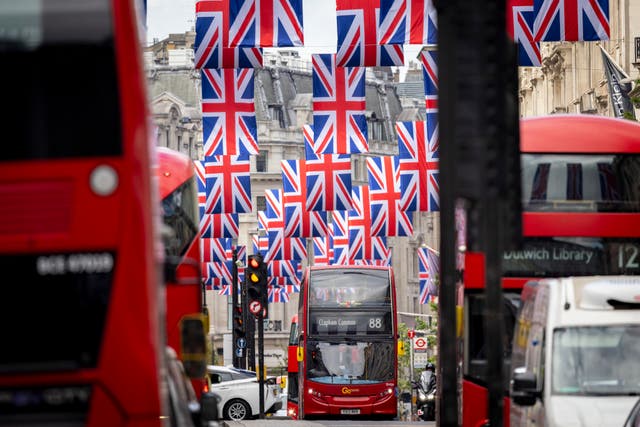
239 352
255 307
411 333
242 343
420 345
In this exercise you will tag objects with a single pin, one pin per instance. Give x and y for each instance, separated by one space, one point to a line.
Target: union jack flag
339 124
323 249
214 250
204 228
407 22
280 247
277 294
299 222
429 61
379 247
357 36
263 221
387 216
228 184
429 261
571 20
282 268
340 229
241 253
228 112
328 178
266 23
224 225
360 224
210 282
419 166
293 288
212 39
260 244
520 15
223 271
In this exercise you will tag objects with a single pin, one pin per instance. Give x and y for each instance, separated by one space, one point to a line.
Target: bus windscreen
350 363
349 287
581 182
53 47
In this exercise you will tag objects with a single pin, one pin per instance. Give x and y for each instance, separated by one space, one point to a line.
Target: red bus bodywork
175 173
292 370
318 399
556 134
60 226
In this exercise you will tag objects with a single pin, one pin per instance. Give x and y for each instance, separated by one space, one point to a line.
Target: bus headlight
422 396
103 180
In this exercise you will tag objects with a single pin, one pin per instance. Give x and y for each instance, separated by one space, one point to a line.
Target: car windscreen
596 360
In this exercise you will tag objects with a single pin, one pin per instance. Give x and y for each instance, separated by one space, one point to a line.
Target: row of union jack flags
232 33
531 21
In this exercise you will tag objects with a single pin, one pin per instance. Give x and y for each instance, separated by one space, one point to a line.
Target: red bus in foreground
177 183
581 217
348 342
80 321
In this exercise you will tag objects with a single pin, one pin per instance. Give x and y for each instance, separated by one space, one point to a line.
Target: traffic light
238 323
255 274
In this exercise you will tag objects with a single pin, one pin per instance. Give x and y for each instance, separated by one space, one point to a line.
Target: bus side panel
474 410
134 325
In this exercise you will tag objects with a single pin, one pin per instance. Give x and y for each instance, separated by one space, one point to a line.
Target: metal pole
411 365
448 391
246 319
234 307
261 362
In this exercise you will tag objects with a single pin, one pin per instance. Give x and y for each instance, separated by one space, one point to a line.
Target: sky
177 16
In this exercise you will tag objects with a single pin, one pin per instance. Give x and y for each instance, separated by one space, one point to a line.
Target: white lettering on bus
82 263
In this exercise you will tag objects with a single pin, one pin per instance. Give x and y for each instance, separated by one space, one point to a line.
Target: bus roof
584 133
173 169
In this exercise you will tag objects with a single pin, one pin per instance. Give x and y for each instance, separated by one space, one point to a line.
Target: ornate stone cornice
553 66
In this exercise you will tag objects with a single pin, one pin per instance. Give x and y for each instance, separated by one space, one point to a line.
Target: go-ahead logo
347 390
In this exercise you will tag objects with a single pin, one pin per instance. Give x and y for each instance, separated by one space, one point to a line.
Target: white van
576 352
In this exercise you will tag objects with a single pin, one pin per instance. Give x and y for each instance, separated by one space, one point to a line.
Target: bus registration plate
350 411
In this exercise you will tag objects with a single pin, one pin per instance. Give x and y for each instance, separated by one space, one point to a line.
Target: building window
261 203
277 114
261 161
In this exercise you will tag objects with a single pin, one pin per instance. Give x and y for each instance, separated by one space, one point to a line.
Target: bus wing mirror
193 345
523 387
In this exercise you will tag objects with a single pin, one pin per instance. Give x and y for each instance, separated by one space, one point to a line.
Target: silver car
239 392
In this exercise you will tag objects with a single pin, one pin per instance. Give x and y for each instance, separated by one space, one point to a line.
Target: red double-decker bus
184 297
347 340
81 321
581 216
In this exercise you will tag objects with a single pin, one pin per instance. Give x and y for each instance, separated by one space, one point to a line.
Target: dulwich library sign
558 257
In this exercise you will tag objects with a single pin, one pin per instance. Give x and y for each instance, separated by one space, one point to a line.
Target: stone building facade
283 98
571 78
